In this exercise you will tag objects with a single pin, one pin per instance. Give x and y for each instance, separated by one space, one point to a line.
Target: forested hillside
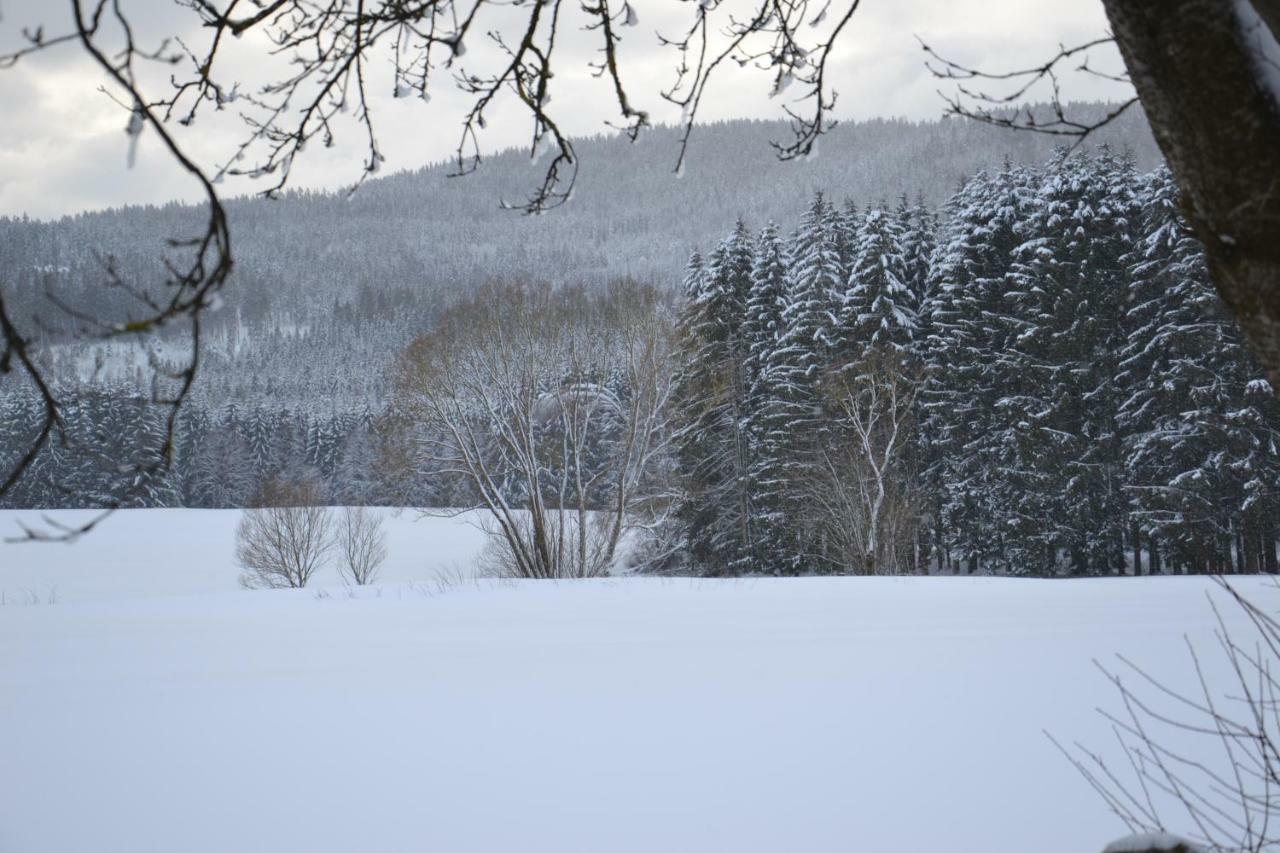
629 215
326 287
1034 376
1043 323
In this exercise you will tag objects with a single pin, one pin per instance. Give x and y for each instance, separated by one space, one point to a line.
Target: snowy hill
622 715
131 555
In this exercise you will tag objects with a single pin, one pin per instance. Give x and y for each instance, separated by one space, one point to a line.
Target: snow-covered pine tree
969 332
763 329
877 307
735 271
156 480
710 391
193 431
875 323
1058 443
355 480
845 223
260 436
792 421
225 473
1201 422
919 227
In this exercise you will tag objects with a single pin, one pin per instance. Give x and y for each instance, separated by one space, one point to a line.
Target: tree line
223 456
419 239
1038 380
1035 378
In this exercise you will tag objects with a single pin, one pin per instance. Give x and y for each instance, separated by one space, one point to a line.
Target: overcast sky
63 146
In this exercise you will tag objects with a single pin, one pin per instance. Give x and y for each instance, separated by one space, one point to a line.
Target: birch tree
863 490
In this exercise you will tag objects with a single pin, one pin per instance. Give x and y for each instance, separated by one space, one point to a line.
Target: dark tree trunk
1079 561
1153 545
1269 547
1219 128
1135 536
1252 548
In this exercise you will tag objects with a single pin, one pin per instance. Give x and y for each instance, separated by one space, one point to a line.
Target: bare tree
196 266
551 404
363 545
865 509
282 543
1211 754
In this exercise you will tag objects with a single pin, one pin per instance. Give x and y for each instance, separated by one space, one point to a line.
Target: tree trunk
1219 128
1252 547
1269 547
1136 536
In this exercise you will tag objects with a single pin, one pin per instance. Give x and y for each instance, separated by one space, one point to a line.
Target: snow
1264 50
157 707
174 552
1149 843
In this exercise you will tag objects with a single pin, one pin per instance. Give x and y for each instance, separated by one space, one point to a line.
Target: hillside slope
630 215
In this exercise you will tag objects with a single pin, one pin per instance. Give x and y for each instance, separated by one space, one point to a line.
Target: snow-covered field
165 552
155 707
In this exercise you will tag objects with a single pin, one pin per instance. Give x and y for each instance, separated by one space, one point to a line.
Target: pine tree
711 391
763 329
918 226
791 419
845 223
877 308
1056 427
1201 422
967 314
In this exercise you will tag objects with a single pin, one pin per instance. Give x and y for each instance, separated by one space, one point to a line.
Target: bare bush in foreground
363 544
284 542
1224 779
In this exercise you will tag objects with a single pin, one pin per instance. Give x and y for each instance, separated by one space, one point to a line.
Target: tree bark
1135 535
1269 547
1218 125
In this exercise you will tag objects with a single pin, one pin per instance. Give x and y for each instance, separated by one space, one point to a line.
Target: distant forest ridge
328 287
630 215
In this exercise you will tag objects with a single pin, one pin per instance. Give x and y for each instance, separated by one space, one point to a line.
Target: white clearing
155 707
